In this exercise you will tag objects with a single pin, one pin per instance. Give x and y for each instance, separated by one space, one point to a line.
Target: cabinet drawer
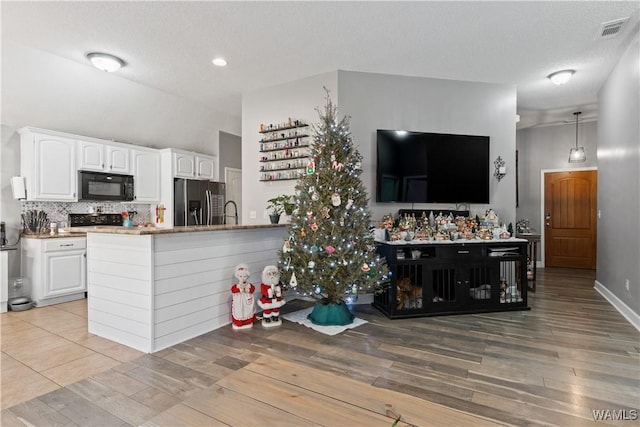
460 251
63 244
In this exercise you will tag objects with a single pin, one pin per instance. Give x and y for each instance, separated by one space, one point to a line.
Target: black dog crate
434 278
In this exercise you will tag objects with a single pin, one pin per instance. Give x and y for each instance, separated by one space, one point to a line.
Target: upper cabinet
48 164
102 157
194 165
206 167
146 174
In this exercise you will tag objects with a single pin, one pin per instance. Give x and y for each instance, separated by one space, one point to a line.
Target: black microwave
105 186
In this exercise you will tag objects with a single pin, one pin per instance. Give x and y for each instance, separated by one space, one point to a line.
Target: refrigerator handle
209 207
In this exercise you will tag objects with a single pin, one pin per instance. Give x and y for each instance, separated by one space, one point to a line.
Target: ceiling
168 48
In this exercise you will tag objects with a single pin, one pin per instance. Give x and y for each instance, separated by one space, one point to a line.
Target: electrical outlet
265 214
626 284
252 214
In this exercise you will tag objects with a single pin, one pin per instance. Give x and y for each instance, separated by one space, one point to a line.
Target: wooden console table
532 257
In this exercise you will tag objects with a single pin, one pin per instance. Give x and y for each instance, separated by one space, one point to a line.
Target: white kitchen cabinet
56 268
97 156
146 175
194 166
206 167
48 164
184 165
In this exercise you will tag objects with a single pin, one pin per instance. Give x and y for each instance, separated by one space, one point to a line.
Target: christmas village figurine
271 296
243 311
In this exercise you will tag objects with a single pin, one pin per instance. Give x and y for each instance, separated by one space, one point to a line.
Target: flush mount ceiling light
561 77
105 62
577 154
220 62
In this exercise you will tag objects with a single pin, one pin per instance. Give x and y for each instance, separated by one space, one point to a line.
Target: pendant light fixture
577 154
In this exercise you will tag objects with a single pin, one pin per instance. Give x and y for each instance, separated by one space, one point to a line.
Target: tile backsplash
59 211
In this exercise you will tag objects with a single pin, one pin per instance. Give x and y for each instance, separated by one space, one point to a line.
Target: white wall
297 100
619 180
379 101
548 148
77 98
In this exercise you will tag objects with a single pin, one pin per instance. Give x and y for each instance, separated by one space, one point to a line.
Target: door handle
547 219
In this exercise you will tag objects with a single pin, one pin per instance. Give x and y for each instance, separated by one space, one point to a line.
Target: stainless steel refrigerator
198 202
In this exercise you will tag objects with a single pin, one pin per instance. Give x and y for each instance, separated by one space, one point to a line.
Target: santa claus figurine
271 296
243 310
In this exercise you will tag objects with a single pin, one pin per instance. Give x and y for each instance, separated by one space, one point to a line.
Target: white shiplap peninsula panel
176 285
119 288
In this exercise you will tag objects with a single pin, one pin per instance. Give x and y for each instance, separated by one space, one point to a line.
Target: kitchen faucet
225 211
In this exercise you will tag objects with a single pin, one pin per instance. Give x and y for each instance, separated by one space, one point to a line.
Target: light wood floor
554 365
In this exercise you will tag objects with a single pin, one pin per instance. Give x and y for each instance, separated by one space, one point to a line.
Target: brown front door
570 206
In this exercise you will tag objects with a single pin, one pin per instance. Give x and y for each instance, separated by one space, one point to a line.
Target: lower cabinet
453 278
55 268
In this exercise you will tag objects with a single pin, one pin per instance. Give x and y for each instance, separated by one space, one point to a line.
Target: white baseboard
631 316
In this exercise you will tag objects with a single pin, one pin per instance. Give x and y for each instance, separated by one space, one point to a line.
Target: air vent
611 28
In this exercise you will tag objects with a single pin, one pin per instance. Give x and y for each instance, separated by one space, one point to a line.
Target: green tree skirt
331 314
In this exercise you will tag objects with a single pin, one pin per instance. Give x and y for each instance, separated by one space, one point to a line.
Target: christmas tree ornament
309 215
357 165
311 264
365 267
335 199
294 281
315 197
311 168
341 222
302 233
314 227
325 212
330 249
286 248
349 203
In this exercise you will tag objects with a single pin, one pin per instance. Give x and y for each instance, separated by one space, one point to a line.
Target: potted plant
278 205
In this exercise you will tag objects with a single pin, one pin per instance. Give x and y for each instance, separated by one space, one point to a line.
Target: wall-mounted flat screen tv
421 167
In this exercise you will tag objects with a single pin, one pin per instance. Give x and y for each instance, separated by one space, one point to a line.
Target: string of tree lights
330 253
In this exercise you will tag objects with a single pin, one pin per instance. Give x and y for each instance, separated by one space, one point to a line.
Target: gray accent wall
381 101
547 148
230 152
619 179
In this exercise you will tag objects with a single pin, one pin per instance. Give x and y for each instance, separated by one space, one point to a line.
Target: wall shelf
284 148
281 128
293 146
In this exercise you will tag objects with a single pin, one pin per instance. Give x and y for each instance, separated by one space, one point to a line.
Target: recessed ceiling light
220 62
105 62
561 77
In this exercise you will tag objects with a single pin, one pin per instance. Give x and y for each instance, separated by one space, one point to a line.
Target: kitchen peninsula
151 288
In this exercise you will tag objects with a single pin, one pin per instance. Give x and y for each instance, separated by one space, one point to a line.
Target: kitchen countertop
138 231
54 236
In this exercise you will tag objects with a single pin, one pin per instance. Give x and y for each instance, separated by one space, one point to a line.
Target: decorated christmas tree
330 253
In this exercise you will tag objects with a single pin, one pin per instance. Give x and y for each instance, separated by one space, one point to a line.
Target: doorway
570 218
233 179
